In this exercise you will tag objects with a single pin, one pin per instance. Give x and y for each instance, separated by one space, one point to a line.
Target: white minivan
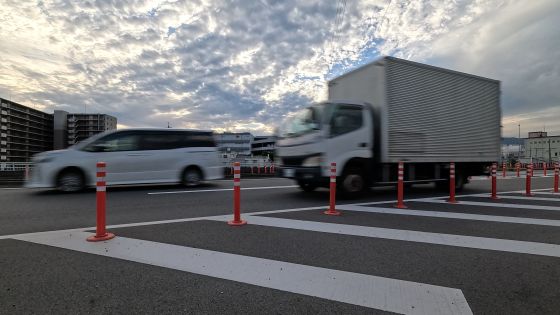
133 156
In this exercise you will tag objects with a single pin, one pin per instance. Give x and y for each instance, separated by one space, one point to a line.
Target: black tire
69 181
191 177
306 186
460 182
352 183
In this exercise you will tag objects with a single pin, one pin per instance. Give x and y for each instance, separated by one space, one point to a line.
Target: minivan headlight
312 161
43 159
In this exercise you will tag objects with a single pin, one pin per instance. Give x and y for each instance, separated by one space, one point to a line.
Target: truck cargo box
427 114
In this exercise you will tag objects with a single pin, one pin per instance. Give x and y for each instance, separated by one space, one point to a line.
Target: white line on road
548 193
523 197
215 190
528 198
452 215
124 225
392 295
497 205
512 246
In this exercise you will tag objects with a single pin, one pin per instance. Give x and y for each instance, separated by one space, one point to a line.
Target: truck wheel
352 183
306 186
459 183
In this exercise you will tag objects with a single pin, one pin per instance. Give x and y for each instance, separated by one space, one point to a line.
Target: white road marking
253 179
498 205
528 198
548 193
215 190
226 216
11 188
503 245
452 215
392 295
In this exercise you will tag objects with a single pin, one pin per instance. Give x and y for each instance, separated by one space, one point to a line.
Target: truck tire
306 186
352 183
460 182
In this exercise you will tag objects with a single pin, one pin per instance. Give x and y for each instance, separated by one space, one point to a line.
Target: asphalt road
479 256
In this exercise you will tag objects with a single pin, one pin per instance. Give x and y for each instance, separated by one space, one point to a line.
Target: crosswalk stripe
497 205
503 245
392 295
453 215
502 196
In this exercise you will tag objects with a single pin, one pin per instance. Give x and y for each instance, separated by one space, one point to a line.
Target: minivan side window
115 142
168 140
347 118
200 139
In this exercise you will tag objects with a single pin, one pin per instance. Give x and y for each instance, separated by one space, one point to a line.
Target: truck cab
338 132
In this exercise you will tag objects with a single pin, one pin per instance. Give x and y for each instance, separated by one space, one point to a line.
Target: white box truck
388 111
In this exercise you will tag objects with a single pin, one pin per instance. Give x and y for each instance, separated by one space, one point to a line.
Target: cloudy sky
243 65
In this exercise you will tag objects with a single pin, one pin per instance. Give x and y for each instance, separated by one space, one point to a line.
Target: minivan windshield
80 145
304 121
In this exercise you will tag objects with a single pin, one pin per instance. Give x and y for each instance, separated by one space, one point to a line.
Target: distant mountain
511 141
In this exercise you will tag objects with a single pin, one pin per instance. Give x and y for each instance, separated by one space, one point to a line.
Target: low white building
541 147
234 143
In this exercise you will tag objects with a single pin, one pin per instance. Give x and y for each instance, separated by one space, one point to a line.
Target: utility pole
519 142
549 153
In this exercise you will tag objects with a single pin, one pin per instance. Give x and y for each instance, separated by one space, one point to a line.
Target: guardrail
14 166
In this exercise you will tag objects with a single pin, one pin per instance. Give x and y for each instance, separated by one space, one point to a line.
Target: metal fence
14 166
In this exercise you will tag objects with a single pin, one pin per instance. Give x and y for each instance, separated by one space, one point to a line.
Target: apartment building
72 128
24 131
263 145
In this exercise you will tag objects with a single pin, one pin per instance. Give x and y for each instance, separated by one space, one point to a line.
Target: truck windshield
304 121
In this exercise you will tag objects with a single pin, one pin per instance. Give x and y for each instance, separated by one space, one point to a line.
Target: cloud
244 65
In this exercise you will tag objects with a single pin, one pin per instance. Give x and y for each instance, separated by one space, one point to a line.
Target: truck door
350 135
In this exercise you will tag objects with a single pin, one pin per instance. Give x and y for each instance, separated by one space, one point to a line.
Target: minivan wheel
191 177
70 181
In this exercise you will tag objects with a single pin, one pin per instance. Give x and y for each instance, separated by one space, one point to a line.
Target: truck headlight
312 161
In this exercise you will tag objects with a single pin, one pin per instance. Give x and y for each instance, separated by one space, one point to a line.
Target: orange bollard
101 233
556 176
400 187
494 188
544 169
332 209
504 170
528 180
452 183
517 168
237 196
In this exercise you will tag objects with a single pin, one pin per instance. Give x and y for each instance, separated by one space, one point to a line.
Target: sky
244 65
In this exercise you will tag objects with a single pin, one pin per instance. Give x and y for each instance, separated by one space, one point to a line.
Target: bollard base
237 223
95 238
452 201
529 195
400 206
332 212
494 198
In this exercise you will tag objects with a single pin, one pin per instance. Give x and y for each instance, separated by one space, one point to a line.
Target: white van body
133 156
